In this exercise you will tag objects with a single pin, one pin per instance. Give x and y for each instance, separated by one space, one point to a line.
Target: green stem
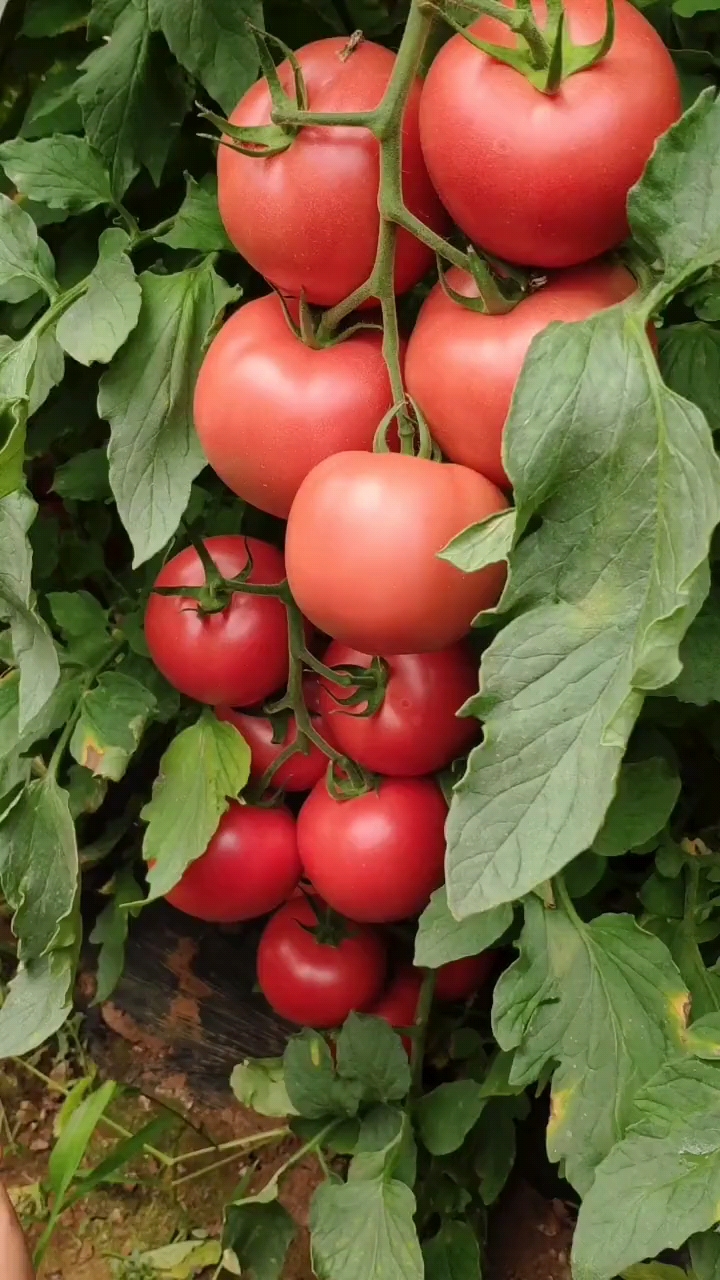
233 1145
258 1140
91 677
562 895
422 1018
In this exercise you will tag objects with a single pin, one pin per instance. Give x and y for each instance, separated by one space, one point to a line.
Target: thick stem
422 1018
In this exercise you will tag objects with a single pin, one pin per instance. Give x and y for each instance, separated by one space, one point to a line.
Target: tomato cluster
287 413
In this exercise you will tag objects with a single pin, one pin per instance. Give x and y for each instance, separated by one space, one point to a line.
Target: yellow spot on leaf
558 1107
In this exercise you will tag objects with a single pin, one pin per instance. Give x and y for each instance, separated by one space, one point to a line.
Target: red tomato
543 178
361 551
268 408
462 366
379 856
250 866
314 983
460 979
299 773
239 656
416 730
398 1002
307 219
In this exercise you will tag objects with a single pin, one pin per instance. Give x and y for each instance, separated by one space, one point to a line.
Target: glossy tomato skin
361 551
312 983
307 219
398 1002
299 773
461 979
250 866
239 656
377 857
542 179
416 730
268 408
462 366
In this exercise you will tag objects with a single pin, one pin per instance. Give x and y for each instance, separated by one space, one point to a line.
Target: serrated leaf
31 367
603 590
53 107
133 98
198 224
39 866
13 422
661 1183
312 1083
447 1114
33 647
371 1056
78 614
96 326
259 1084
705 1255
26 264
147 396
690 363
702 983
86 793
84 477
38 1001
112 721
647 792
61 171
453 1253
494 1147
54 17
213 42
259 1236
204 767
441 938
699 680
482 544
603 1000
365 1230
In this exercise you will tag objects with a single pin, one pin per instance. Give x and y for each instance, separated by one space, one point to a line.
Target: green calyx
545 56
310 329
271 139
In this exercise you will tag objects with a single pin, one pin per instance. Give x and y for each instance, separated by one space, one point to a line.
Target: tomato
299 773
462 366
398 1002
250 866
361 551
543 178
239 656
379 856
416 730
307 219
460 979
268 407
315 983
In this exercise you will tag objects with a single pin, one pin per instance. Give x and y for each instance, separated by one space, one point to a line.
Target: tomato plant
267 740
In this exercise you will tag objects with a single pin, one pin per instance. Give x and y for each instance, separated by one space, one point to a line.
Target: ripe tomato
543 178
299 773
416 730
315 983
361 551
379 856
307 219
239 656
250 866
462 366
398 1002
460 979
268 408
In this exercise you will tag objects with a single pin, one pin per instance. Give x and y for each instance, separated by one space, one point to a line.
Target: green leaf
112 721
110 933
259 1084
85 792
53 107
705 1255
494 1147
33 647
365 1230
661 1183
84 477
654 1271
30 367
203 768
97 325
452 1254
482 544
213 42
702 983
79 615
371 1055
123 1154
39 866
61 171
690 363
646 795
26 263
13 421
259 1235
147 396
441 938
448 1113
602 593
699 680
198 224
69 1150
702 1038
674 211
54 17
38 1001
312 1085
133 99
605 1002
179 1261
